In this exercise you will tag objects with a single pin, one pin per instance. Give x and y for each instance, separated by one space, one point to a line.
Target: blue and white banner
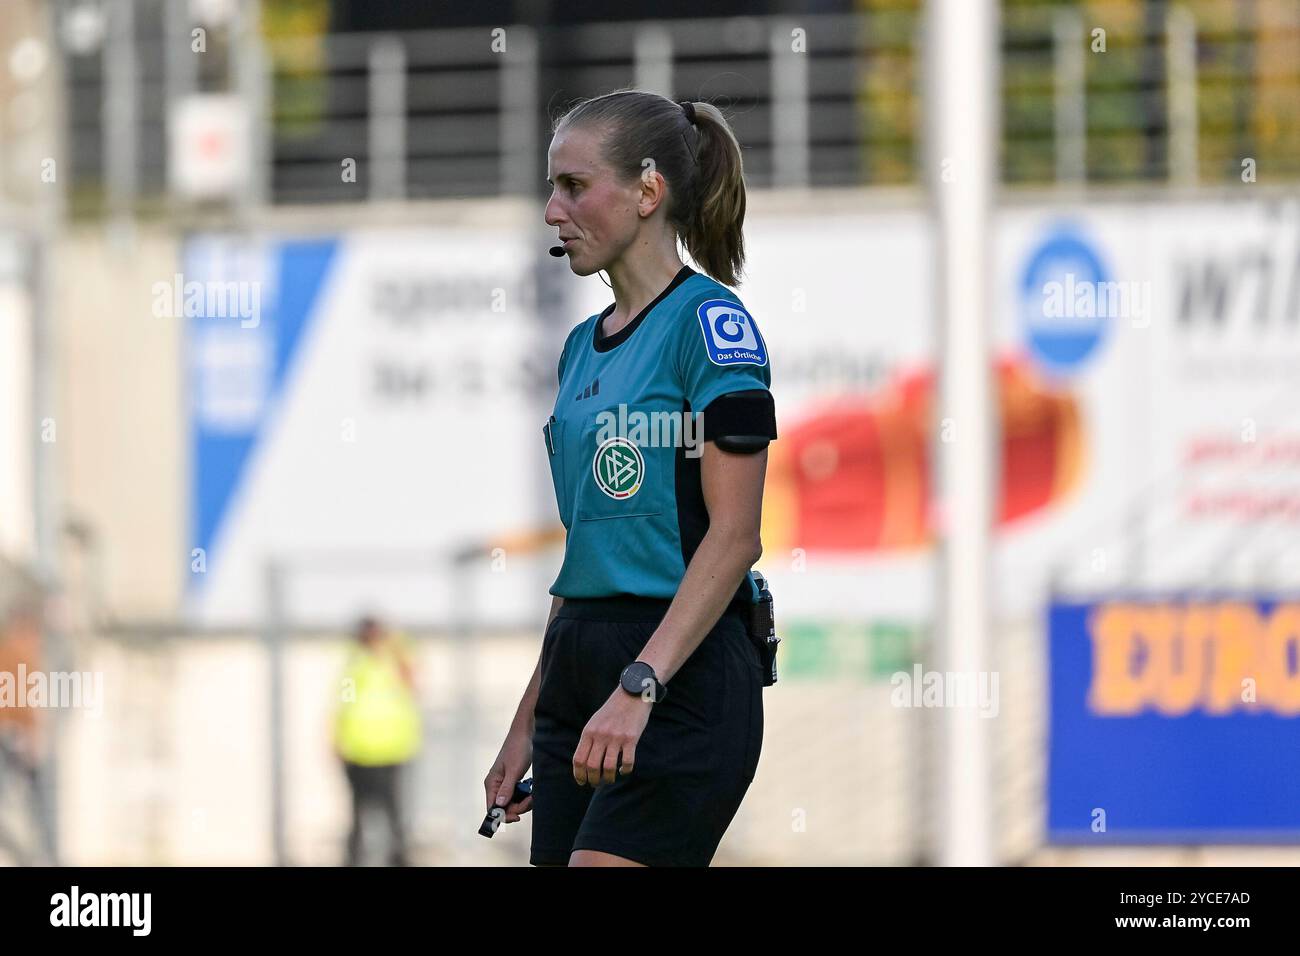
383 390
361 408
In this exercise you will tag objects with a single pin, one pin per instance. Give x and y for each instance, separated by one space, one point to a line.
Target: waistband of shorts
628 609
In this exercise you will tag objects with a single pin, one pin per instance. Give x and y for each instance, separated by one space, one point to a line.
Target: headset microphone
556 251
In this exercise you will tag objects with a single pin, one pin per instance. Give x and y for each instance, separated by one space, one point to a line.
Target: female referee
643 720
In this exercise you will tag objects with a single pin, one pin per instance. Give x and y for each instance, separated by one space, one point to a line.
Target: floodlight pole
273 636
961 70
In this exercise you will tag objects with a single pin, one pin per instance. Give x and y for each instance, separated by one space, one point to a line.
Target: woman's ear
653 191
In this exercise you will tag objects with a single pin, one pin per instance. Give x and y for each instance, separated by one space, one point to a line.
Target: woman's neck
635 286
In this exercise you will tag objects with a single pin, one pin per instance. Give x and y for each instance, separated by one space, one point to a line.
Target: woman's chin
581 268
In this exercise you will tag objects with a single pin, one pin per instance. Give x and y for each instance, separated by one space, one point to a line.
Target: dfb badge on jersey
730 335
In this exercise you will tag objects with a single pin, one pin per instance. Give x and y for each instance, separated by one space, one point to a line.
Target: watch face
638 678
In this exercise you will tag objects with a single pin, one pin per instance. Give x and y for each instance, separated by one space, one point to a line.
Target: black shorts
694 760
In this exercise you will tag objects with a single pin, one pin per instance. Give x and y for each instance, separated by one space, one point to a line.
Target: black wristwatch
638 677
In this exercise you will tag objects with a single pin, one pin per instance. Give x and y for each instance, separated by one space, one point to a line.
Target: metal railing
1147 92
1155 92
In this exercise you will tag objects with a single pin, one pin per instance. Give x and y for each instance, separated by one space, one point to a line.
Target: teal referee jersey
627 431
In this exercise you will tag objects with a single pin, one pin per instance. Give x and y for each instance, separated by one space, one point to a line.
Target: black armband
741 422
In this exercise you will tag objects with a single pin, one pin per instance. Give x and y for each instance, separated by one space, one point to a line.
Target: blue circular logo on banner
1063 317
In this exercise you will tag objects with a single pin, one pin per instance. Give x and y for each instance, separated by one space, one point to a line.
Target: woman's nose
553 212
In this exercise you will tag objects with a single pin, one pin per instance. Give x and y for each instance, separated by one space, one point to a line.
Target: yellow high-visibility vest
378 719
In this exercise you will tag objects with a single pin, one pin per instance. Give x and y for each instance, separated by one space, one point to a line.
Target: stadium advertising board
1174 720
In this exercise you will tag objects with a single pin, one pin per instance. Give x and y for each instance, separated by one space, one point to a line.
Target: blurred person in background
643 720
23 732
377 731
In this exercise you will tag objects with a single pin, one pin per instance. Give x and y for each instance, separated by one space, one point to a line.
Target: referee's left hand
612 730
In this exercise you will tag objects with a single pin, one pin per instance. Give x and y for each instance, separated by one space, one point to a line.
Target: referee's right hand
508 769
